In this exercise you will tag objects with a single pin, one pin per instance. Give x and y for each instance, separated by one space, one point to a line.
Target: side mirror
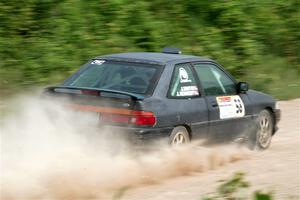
242 87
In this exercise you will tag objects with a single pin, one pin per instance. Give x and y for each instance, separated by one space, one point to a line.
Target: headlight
276 105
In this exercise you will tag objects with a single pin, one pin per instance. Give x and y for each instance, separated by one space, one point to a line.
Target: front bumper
277 117
277 114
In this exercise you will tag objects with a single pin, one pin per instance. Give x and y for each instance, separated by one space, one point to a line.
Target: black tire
179 136
264 130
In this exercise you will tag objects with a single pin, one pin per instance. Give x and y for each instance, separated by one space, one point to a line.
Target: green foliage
230 187
42 42
262 196
234 189
120 193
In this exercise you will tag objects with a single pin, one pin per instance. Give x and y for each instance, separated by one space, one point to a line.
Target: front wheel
264 132
179 136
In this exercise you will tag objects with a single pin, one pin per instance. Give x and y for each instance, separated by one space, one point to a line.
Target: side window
214 81
183 82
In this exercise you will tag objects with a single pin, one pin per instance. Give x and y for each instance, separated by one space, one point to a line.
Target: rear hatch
112 107
112 88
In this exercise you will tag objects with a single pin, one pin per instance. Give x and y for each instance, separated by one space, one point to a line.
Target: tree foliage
41 42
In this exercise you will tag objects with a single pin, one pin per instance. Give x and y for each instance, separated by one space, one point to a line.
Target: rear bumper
139 136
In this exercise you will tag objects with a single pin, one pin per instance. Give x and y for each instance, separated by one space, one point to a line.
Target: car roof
151 58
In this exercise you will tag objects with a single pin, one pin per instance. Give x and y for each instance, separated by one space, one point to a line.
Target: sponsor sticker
184 76
230 106
188 91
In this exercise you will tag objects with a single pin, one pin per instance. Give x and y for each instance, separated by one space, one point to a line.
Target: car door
185 97
228 111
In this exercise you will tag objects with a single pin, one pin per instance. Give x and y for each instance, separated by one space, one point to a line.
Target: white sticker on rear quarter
230 107
97 62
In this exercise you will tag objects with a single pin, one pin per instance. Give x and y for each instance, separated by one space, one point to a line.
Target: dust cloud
48 152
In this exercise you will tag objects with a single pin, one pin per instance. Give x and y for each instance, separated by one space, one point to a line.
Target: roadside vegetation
42 42
235 188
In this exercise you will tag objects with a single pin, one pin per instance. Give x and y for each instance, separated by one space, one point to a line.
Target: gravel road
277 169
56 159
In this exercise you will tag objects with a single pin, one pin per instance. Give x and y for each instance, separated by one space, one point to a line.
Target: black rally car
179 97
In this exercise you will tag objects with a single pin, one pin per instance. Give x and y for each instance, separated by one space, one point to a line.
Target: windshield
122 76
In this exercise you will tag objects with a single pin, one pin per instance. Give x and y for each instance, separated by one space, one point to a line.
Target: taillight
142 118
136 118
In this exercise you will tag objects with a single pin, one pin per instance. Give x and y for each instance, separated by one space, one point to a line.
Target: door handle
214 104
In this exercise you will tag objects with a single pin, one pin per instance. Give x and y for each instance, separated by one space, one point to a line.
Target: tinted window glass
127 77
183 83
214 81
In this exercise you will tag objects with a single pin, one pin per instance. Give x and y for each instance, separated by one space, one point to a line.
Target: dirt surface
58 159
277 169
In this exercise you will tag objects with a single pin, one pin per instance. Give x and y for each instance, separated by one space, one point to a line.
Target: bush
42 42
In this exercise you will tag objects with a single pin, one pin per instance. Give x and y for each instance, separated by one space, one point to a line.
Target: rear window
121 76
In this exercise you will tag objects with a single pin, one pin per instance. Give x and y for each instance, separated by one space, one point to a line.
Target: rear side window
183 82
121 76
214 81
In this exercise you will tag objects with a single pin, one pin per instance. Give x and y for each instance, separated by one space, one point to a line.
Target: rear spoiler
92 91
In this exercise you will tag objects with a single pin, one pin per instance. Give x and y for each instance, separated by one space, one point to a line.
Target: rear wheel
179 136
264 132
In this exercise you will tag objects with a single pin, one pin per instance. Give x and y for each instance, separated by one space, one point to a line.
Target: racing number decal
238 105
230 107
